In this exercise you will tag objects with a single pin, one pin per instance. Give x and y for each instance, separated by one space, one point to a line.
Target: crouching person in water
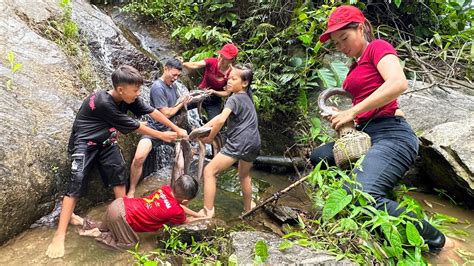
127 216
243 138
93 140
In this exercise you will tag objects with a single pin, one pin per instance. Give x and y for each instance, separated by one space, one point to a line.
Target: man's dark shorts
109 161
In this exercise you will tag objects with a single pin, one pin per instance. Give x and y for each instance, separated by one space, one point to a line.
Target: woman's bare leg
218 164
246 183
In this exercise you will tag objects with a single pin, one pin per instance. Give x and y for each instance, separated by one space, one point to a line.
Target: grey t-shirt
162 95
243 137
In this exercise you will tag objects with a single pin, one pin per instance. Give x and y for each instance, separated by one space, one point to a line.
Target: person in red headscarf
375 80
215 77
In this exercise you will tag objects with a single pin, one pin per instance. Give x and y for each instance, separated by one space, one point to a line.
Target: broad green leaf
303 100
201 56
317 47
413 235
286 77
261 251
232 260
302 16
285 245
150 263
327 77
296 61
437 40
397 3
393 236
348 224
303 242
337 200
340 71
306 38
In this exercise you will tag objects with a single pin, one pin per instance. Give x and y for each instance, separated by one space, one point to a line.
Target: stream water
30 246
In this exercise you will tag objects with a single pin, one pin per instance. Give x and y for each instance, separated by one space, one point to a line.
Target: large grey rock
448 153
442 117
426 108
243 245
37 114
35 117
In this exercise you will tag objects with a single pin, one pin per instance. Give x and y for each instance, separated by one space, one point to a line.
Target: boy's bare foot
76 220
56 248
95 232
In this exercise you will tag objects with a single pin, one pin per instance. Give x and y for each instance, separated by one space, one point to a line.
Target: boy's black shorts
109 160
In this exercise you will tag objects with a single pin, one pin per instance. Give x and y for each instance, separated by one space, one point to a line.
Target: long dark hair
246 74
368 33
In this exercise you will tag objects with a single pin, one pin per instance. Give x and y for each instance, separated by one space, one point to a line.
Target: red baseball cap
229 51
341 17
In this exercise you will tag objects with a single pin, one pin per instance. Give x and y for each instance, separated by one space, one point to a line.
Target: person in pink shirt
215 77
375 80
127 216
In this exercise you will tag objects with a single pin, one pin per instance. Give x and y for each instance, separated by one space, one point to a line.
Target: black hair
185 187
368 33
128 75
246 74
174 63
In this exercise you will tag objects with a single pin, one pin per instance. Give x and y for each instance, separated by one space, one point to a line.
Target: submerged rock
243 246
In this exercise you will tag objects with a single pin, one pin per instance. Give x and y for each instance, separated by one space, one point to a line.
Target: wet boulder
443 119
448 153
243 246
38 109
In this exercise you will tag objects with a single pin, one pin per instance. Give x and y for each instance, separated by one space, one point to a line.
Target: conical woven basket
351 144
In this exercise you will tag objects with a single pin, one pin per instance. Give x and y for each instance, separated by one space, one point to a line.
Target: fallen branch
275 196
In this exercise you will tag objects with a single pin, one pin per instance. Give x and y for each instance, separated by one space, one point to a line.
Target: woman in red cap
215 77
375 80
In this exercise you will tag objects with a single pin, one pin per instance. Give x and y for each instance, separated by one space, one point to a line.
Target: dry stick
422 64
275 196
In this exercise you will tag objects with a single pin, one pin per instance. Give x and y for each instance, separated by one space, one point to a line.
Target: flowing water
30 246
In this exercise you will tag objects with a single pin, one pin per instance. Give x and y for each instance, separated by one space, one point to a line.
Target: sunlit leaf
413 235
285 245
327 77
232 260
337 200
261 251
340 71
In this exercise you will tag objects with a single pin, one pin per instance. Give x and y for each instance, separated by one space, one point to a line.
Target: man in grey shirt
163 96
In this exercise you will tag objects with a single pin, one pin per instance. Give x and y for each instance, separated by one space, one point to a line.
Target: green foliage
208 250
350 227
14 67
261 252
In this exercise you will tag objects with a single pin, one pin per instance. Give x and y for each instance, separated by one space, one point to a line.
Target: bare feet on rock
95 232
56 248
76 220
205 212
